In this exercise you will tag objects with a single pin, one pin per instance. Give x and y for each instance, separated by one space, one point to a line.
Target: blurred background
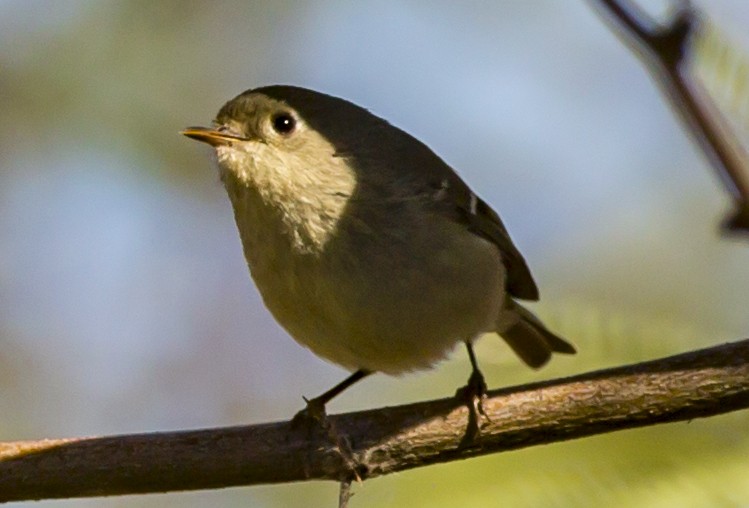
125 301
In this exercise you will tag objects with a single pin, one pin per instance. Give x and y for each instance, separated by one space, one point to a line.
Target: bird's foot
313 418
313 415
473 394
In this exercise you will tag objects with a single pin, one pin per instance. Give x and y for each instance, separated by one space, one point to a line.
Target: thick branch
666 51
382 441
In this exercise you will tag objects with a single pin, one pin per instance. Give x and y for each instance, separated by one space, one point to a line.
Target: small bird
364 244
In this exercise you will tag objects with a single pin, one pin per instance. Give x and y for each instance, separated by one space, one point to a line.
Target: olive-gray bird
364 244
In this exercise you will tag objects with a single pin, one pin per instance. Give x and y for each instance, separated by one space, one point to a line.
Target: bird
366 247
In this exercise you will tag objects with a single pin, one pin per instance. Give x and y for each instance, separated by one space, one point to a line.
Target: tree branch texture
666 51
382 441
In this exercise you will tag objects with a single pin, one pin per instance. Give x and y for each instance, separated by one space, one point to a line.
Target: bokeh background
125 302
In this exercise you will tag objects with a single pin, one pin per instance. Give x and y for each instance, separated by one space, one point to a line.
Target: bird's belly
388 311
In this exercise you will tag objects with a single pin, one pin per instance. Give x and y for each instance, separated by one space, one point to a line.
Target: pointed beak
211 136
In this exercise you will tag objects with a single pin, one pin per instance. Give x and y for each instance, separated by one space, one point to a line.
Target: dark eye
283 123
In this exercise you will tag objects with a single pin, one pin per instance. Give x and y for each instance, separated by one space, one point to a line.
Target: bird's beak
211 136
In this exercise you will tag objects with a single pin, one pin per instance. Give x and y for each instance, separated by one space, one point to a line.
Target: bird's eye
283 123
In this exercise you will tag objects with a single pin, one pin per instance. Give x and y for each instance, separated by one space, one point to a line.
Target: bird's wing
483 221
412 161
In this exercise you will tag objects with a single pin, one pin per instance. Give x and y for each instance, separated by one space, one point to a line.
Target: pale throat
302 203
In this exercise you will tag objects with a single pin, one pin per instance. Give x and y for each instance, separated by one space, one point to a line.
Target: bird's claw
312 415
473 394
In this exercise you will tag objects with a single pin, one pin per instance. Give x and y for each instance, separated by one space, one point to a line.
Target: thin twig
344 494
666 50
382 441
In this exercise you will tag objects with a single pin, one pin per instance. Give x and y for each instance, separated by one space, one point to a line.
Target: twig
692 385
344 494
665 49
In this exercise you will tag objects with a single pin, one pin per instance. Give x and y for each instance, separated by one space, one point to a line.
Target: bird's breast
389 294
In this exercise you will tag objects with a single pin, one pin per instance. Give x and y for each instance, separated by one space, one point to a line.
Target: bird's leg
315 409
473 394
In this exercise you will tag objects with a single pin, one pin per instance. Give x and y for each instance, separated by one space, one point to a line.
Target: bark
381 441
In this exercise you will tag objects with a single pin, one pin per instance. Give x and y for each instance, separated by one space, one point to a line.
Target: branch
382 441
665 49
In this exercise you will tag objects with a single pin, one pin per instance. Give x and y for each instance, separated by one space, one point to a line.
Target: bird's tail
528 336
